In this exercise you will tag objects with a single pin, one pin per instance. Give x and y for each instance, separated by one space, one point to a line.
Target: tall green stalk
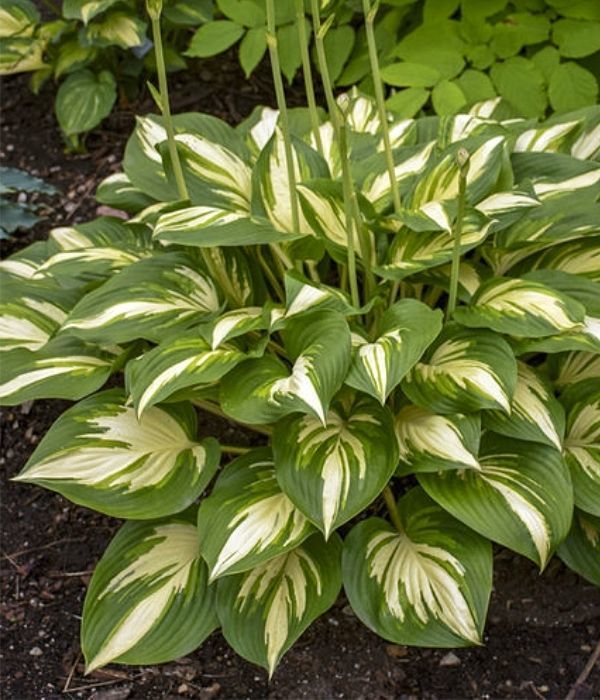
308 77
390 502
283 114
463 164
319 32
154 9
350 219
370 13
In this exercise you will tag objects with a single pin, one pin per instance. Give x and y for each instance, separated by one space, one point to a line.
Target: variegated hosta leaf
247 519
23 264
580 257
581 550
235 275
546 138
402 335
323 207
535 414
303 295
470 277
273 184
98 454
574 367
465 371
177 364
331 149
263 611
441 181
118 191
94 250
427 586
148 600
522 308
414 251
582 442
361 112
507 207
521 496
556 176
263 390
31 314
216 172
144 300
409 163
235 323
431 443
65 368
332 471
205 226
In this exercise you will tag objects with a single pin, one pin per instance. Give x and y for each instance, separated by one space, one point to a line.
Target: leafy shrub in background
95 49
16 212
409 305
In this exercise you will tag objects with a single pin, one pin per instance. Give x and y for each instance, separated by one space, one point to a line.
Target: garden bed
541 630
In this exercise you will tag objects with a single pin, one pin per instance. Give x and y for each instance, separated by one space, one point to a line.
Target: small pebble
450 659
35 651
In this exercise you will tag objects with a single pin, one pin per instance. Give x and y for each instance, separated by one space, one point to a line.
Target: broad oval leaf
535 414
427 586
99 455
332 471
582 442
402 335
430 443
265 389
177 364
522 308
65 368
148 600
263 611
84 100
466 371
521 496
145 299
247 519
581 550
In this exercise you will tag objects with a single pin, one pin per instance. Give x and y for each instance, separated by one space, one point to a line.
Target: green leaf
177 364
64 368
400 338
263 611
331 470
303 295
290 57
148 600
247 520
407 103
71 56
535 414
144 300
574 367
235 323
427 586
431 443
245 12
582 442
339 42
15 180
18 17
521 84
410 75
84 99
526 490
99 455
475 86
581 550
435 10
464 371
252 49
522 308
547 61
572 87
214 37
263 390
576 38
118 192
447 97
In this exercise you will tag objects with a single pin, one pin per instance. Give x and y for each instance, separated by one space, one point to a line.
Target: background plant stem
390 502
308 77
462 188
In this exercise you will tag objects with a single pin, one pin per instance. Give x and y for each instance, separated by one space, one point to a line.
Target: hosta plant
406 313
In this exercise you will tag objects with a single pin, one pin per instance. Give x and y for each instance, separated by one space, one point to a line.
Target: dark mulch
541 629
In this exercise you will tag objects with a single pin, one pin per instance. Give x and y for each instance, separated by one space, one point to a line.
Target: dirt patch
541 629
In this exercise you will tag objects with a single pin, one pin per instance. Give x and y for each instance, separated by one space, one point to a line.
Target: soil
541 630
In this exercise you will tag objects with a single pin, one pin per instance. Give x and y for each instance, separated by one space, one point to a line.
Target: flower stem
370 13
392 507
283 114
164 102
463 163
234 450
349 215
308 77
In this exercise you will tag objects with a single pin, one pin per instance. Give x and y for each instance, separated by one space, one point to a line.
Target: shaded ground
541 629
